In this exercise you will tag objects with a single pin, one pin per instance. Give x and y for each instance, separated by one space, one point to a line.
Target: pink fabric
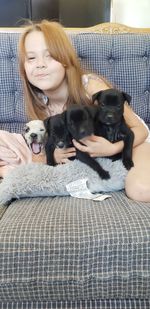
13 151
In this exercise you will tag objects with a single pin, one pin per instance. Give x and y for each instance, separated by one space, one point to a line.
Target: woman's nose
40 63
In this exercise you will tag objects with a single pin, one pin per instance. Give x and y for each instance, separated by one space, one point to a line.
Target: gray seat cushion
67 248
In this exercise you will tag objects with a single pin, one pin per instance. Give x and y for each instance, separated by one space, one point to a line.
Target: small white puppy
35 135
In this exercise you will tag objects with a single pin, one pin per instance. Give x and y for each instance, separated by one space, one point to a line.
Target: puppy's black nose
33 135
110 115
60 144
82 132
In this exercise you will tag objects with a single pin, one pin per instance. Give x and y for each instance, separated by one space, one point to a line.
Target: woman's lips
41 75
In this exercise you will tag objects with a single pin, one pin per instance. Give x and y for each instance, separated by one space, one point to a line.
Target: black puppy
80 124
76 122
110 122
58 135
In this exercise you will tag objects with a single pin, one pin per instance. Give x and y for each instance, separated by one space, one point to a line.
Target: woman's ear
127 97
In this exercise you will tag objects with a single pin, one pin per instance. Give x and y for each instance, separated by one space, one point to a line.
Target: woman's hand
62 155
98 146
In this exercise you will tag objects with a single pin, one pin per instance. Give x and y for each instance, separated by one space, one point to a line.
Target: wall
83 13
134 13
45 9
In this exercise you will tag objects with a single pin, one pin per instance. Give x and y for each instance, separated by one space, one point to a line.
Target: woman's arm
136 125
94 83
98 146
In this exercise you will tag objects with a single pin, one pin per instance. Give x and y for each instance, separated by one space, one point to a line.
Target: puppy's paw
128 163
104 175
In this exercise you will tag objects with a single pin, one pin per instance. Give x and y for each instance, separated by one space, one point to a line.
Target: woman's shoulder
94 83
86 78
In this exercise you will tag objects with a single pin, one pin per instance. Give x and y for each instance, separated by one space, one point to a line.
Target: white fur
35 127
36 179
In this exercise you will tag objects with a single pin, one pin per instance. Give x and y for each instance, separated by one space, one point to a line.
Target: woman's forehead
35 40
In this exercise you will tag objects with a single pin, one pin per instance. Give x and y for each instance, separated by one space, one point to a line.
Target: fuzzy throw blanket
13 152
37 179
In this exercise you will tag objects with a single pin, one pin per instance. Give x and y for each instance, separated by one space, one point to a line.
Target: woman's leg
137 184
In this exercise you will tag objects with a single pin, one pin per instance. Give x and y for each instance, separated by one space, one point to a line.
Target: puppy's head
57 131
110 105
35 135
80 121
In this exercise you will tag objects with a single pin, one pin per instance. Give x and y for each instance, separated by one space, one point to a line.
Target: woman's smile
41 75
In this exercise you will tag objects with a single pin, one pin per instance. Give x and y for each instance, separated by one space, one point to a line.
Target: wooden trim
107 28
9 29
111 28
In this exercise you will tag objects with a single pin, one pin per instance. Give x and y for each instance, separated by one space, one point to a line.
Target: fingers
69 154
79 146
62 156
68 150
93 155
63 161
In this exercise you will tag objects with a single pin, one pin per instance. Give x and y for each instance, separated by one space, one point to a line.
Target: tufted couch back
124 59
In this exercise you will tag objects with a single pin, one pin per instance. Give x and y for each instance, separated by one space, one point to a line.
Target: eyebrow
34 52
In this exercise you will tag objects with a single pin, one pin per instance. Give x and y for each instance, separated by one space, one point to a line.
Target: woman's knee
138 190
137 184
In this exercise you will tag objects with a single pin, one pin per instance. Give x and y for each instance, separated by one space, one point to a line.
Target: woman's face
41 69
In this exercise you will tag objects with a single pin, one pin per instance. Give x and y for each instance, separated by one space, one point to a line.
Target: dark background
71 13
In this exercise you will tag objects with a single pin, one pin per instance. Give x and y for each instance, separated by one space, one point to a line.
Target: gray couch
64 252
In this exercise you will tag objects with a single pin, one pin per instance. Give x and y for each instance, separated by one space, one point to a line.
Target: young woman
53 79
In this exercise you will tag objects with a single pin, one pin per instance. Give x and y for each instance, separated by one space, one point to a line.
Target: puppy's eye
26 129
71 123
119 106
41 129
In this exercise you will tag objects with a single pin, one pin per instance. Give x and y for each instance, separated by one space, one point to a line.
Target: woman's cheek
28 69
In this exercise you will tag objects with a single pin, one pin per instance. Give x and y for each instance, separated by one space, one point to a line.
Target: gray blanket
36 179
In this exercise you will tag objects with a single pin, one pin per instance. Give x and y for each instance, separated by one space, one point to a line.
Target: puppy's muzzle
60 144
35 145
82 133
110 118
33 136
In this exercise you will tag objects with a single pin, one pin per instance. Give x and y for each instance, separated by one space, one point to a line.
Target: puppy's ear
127 97
47 125
63 118
92 110
63 115
96 95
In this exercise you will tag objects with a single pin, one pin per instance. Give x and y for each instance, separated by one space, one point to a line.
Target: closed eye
30 59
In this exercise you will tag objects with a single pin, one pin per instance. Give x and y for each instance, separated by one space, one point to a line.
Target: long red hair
61 50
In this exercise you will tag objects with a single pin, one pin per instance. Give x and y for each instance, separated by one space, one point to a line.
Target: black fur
80 124
110 122
58 136
76 122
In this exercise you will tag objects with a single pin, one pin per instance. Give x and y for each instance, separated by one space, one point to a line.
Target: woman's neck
58 96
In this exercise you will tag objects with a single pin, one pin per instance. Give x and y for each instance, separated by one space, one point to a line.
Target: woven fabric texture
67 248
